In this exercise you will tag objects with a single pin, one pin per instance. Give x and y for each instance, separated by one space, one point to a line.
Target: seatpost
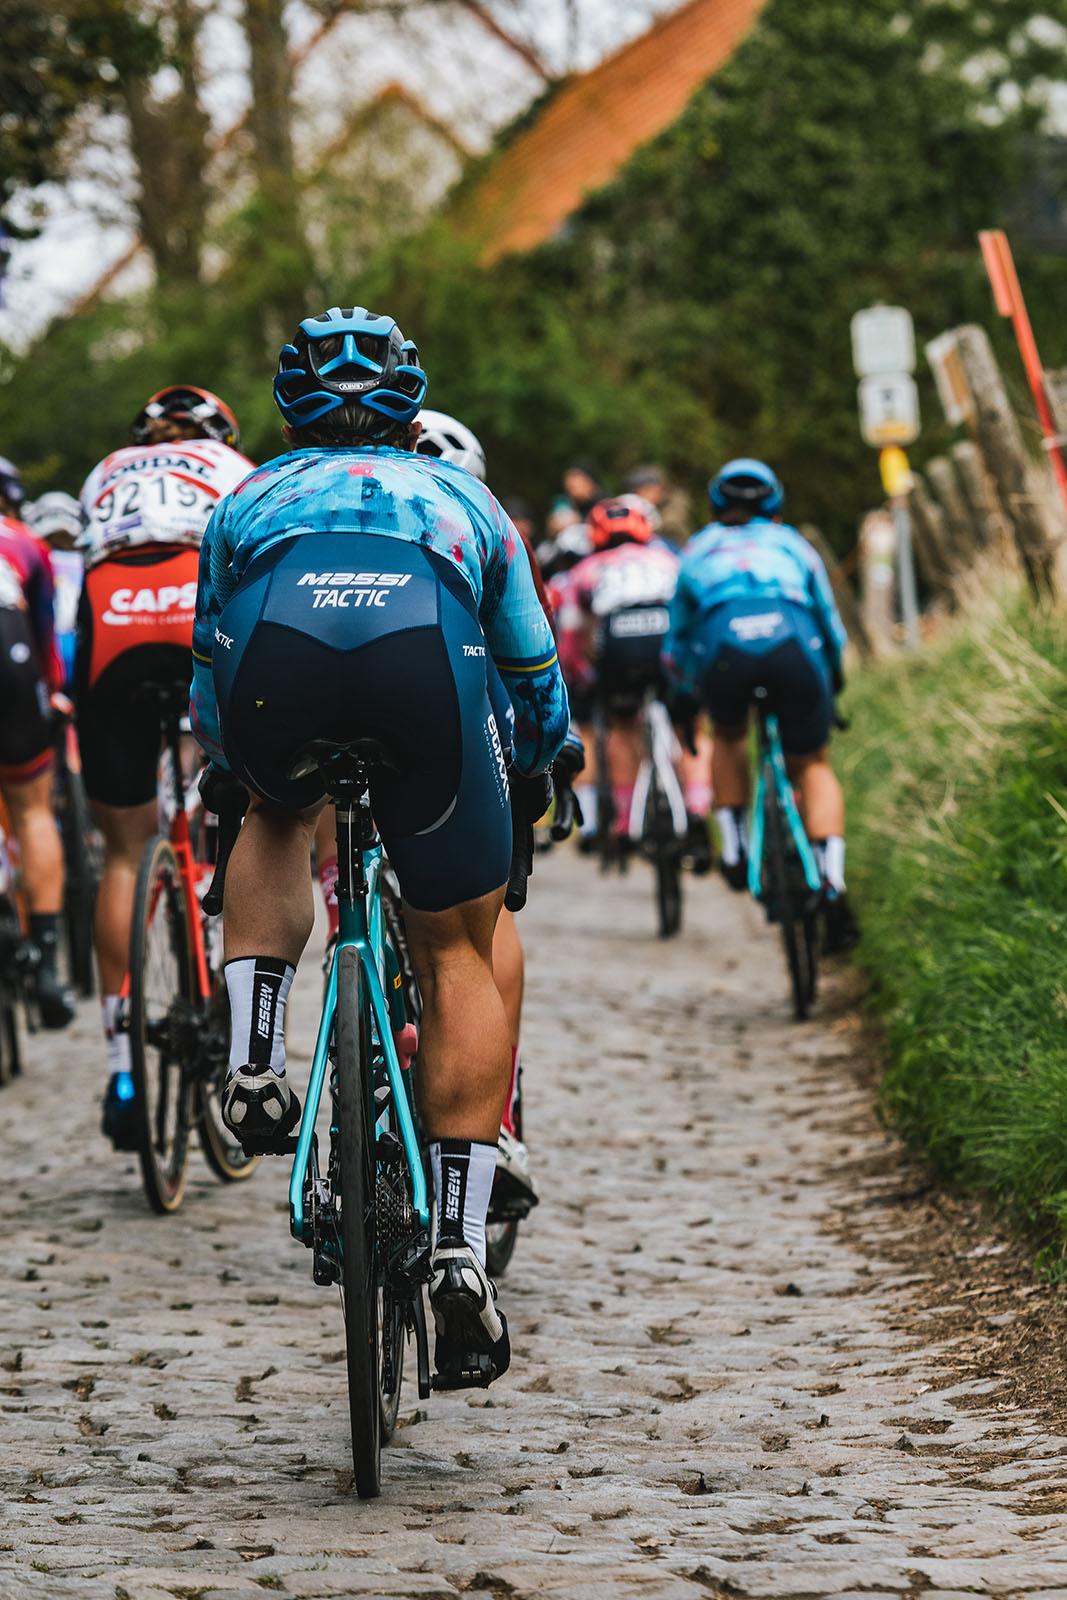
347 795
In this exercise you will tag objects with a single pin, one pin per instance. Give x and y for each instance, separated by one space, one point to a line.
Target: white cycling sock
463 1172
733 833
118 1043
258 987
585 794
830 859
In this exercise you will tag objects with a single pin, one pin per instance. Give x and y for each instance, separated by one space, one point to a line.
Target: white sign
889 409
883 341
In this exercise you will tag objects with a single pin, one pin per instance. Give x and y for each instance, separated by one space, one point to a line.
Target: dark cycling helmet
746 485
613 522
10 483
345 357
186 404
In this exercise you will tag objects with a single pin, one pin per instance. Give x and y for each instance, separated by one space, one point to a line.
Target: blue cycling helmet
357 359
746 485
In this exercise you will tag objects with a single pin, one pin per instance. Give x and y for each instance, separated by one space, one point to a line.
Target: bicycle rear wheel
81 863
358 1225
781 892
10 1055
666 860
161 1010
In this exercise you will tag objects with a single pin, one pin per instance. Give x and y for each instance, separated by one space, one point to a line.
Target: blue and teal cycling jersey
418 499
759 560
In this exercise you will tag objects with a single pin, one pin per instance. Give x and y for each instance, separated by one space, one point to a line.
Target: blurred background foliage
697 307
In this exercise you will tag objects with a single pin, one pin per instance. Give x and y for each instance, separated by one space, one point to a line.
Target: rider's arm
40 598
829 618
683 612
215 586
521 644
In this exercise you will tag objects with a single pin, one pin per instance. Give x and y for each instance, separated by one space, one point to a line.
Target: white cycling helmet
442 436
52 513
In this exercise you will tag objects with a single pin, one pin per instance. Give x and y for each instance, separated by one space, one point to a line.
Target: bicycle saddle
170 695
338 759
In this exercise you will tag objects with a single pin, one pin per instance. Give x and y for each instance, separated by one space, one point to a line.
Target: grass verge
955 772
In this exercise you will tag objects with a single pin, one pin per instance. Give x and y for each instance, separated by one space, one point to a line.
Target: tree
55 60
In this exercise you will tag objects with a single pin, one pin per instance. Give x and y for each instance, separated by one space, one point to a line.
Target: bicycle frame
360 917
772 756
660 745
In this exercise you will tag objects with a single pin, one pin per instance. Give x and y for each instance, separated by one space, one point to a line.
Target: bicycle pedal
285 1146
477 1372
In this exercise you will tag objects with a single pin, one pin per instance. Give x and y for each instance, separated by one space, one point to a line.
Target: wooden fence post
877 548
992 527
959 526
928 532
1025 492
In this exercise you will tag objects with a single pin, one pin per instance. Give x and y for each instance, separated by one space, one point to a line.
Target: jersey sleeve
829 618
683 612
520 642
41 600
215 586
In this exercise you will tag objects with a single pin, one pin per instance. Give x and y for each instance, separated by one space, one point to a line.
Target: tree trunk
170 148
281 236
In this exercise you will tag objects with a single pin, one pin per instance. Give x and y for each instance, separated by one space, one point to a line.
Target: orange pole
1008 296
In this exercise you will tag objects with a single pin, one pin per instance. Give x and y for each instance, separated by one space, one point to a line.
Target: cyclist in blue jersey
753 607
351 588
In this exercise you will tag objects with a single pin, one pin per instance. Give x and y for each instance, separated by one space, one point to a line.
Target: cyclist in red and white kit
31 676
146 507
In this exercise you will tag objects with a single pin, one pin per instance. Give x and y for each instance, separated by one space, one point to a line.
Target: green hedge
955 771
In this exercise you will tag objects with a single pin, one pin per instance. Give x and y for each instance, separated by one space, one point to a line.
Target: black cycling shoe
472 1346
120 1122
260 1110
54 1000
698 846
736 873
842 929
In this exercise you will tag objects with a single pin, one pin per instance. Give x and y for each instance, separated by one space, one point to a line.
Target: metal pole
909 600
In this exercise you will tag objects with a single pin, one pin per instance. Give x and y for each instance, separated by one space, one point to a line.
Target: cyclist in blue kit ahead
353 589
754 607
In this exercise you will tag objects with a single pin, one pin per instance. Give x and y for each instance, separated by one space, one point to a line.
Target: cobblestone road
709 1394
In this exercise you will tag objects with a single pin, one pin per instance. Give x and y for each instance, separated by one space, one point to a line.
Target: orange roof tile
596 122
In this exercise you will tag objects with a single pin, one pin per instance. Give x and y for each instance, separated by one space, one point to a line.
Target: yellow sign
896 473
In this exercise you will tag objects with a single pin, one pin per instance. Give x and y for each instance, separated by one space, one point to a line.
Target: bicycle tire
223 1153
161 999
793 919
10 1050
81 876
358 1226
666 861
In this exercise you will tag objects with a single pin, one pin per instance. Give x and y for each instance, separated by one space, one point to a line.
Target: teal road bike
364 1211
782 872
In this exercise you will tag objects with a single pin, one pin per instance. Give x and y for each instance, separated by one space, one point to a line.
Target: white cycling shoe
472 1346
259 1108
514 1191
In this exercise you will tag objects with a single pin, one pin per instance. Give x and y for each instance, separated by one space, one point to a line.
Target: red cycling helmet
184 403
613 522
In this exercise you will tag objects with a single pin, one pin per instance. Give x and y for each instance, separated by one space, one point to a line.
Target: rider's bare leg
465 1045
625 749
272 847
126 831
729 766
29 806
822 803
